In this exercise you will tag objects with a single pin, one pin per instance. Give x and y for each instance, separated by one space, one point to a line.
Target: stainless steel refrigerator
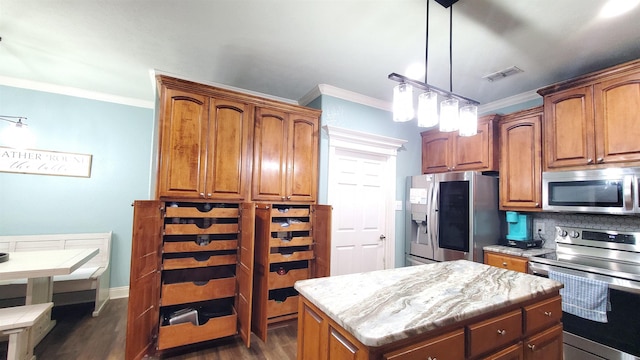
450 216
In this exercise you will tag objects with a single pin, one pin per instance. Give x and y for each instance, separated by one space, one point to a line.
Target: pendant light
451 117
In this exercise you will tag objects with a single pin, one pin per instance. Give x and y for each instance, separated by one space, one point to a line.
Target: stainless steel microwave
604 191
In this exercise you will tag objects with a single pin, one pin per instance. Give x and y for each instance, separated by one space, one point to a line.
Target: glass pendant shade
428 109
449 115
468 120
403 103
17 136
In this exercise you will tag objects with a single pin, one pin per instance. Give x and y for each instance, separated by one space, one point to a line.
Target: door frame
357 141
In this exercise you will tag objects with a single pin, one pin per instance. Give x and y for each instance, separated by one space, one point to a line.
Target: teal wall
348 115
119 138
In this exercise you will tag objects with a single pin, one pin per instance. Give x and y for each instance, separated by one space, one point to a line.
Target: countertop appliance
519 233
609 256
450 216
606 191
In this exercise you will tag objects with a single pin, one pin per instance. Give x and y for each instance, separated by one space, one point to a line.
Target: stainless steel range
609 256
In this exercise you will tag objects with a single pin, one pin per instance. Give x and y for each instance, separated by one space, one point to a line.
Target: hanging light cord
426 51
451 48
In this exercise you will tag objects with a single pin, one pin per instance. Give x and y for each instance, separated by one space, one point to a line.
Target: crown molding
76 92
508 101
324 89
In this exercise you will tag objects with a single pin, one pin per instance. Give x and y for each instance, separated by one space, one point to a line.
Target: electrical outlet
539 227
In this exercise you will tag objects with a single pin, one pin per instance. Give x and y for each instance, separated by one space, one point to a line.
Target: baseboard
119 292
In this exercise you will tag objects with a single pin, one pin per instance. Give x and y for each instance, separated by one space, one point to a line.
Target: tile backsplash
587 221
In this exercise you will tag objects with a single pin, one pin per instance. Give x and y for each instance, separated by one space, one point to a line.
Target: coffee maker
520 231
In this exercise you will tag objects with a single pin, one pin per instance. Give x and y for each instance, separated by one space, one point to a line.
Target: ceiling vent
502 73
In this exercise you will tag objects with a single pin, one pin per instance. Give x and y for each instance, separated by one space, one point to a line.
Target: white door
358 212
361 190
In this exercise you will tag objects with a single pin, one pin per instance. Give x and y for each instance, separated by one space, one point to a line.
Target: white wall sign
42 162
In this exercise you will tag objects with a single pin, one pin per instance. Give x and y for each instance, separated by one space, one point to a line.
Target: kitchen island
448 310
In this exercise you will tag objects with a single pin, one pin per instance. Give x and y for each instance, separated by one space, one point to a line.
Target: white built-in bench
89 283
19 322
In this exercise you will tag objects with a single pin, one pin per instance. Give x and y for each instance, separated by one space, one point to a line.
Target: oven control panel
605 237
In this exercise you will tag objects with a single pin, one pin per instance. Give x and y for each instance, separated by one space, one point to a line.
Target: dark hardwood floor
78 335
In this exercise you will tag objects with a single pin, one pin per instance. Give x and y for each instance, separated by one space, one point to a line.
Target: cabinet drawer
296 241
298 255
280 308
197 260
542 315
171 336
447 346
193 246
508 262
285 226
186 292
494 333
277 281
193 212
289 212
189 229
513 352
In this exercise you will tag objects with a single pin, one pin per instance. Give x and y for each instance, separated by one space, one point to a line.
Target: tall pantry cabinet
228 164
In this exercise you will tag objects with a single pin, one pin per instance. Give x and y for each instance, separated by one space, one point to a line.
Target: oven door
615 339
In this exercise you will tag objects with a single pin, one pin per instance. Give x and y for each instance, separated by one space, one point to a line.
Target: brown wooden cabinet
285 164
204 145
444 152
530 331
505 261
521 160
292 243
592 121
186 257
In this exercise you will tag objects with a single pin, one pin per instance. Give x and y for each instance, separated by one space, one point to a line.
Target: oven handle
624 285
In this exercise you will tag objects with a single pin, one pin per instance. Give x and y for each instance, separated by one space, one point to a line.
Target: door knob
382 237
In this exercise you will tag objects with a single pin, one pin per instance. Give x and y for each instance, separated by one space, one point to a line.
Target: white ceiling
285 48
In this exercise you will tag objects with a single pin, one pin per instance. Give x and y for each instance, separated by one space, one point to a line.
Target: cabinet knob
289 197
201 194
537 204
431 358
590 160
547 313
208 194
504 263
283 198
600 160
502 332
532 347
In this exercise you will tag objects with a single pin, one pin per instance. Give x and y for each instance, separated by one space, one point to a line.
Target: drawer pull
502 332
548 313
504 263
532 347
430 358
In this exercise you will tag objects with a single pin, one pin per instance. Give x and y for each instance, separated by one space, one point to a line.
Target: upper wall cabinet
521 160
285 157
444 152
206 146
593 121
204 149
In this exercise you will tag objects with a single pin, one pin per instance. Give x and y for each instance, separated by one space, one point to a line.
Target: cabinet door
476 152
513 352
568 124
302 161
183 142
144 285
244 270
321 241
270 154
617 119
311 326
545 345
521 162
436 153
228 150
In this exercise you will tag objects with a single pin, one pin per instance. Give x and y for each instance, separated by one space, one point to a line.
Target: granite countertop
381 307
510 250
